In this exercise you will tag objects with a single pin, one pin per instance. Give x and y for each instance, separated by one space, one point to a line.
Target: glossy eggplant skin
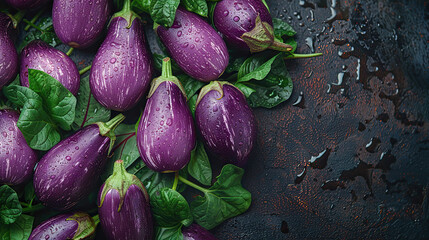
63 226
26 4
233 18
132 221
166 134
40 56
196 232
17 159
79 24
226 124
122 69
195 46
9 56
68 172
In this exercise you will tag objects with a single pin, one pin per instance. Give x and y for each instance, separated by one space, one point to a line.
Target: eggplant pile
68 162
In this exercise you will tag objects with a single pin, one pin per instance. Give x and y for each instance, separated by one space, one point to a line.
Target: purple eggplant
40 56
196 47
247 25
166 134
124 209
26 4
9 59
226 122
79 23
68 172
122 68
77 225
17 159
196 232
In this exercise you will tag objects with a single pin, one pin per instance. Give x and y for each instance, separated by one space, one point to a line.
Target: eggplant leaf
19 230
163 12
88 110
281 28
197 6
190 85
10 208
47 34
225 199
199 165
170 208
141 6
169 233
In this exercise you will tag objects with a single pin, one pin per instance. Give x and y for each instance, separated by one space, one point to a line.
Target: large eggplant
40 56
9 56
196 47
26 4
77 225
69 171
17 159
246 25
124 209
166 134
196 232
226 122
122 70
79 23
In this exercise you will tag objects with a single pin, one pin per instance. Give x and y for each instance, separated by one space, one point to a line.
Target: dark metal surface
372 182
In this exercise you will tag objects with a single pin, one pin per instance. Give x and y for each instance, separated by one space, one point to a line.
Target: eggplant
9 59
166 133
196 47
78 23
196 232
17 159
122 68
123 206
247 25
26 4
226 122
40 56
68 172
77 225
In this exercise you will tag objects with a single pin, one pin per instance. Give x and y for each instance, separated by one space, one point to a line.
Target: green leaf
170 233
190 85
59 102
29 192
225 199
235 64
19 230
141 6
247 91
281 29
170 208
35 124
256 67
199 165
10 208
163 12
197 6
88 110
47 34
192 102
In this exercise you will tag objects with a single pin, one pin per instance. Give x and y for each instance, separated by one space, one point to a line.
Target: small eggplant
124 209
247 25
40 56
79 23
68 172
26 4
226 122
166 134
17 159
77 225
122 68
196 47
9 59
196 232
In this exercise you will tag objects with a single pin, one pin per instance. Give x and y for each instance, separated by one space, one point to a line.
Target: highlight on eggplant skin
77 225
9 62
122 68
79 24
195 46
17 159
40 56
226 122
196 232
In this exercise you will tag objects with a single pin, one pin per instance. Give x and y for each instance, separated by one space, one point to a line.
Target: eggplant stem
191 184
297 55
69 52
19 16
34 19
96 219
33 25
167 71
176 180
34 208
86 69
279 46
